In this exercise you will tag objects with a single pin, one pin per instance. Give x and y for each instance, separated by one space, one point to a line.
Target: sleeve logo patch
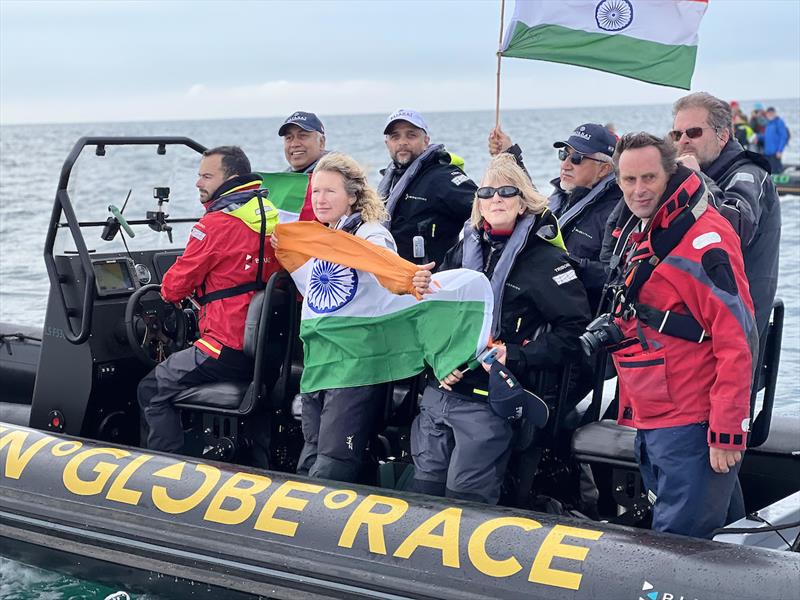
196 233
459 179
701 241
741 176
565 277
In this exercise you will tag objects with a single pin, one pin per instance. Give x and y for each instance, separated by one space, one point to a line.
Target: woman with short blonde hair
504 167
459 443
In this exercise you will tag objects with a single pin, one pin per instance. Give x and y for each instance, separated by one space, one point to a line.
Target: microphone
418 243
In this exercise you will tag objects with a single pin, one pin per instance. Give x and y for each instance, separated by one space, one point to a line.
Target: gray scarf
472 258
392 195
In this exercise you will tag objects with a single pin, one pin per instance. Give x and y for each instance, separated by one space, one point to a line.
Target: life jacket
684 205
241 198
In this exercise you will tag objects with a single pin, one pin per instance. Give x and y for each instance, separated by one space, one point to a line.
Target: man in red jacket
220 268
685 363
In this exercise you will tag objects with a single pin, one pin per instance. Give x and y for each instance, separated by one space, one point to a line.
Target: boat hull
150 518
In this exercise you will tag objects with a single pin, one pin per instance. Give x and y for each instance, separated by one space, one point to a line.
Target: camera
161 194
600 333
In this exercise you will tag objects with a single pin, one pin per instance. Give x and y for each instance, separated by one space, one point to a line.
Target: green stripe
287 191
638 59
354 351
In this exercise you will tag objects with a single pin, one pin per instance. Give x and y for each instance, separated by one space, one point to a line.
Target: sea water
31 157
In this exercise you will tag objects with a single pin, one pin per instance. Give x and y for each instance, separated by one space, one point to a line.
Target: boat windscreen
130 178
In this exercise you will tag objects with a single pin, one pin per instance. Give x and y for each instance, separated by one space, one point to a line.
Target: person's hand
690 161
422 279
779 155
500 357
451 379
498 141
723 460
273 240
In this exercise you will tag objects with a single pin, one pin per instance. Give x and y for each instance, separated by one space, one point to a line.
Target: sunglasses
575 158
692 133
504 191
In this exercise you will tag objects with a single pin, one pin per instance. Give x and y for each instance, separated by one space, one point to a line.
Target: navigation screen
112 276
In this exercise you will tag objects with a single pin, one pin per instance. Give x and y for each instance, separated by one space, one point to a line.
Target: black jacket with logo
435 206
584 228
746 197
541 289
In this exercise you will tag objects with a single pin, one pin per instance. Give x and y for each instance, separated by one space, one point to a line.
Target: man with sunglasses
743 190
585 193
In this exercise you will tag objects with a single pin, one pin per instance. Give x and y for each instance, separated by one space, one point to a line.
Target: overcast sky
133 61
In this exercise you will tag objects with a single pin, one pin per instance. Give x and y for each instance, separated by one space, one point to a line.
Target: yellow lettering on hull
542 572
280 498
375 522
165 503
476 548
16 459
118 492
104 470
244 496
447 541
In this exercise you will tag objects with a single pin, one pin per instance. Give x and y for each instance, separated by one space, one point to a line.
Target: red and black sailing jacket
685 272
223 253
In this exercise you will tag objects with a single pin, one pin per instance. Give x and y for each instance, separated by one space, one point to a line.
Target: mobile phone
489 356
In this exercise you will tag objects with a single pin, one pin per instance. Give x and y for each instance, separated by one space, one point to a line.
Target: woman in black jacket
460 447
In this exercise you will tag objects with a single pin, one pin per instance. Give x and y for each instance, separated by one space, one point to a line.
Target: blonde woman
460 447
337 423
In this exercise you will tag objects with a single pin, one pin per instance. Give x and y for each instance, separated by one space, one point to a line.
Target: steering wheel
154 327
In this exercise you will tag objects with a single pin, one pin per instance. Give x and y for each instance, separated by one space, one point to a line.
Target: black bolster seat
605 442
267 310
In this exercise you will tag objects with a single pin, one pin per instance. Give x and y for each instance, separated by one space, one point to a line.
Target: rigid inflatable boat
230 520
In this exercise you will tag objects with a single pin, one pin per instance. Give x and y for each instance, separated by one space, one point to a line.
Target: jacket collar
235 190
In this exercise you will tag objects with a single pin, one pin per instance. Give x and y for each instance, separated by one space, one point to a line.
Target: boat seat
223 395
227 407
605 442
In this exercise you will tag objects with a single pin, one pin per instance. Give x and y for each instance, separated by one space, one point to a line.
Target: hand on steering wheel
154 328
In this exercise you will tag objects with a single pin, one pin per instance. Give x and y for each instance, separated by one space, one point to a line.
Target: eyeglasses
575 158
504 191
692 133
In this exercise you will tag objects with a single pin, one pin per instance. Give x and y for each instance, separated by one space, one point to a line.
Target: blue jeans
691 498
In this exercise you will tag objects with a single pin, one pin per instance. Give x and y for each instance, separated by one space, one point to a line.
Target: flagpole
499 56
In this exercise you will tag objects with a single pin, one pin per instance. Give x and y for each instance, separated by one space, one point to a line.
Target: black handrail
63 204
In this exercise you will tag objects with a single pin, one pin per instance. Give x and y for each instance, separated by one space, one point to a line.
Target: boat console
92 359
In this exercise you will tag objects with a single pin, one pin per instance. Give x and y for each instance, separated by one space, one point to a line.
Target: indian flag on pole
287 193
649 40
361 323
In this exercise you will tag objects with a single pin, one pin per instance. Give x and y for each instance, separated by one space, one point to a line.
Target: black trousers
337 426
180 371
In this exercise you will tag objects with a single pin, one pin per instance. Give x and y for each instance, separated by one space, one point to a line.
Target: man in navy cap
585 193
303 141
425 189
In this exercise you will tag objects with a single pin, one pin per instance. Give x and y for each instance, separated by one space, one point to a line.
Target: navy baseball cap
406 114
509 400
590 138
304 120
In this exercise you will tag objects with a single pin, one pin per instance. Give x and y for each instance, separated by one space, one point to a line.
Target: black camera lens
600 333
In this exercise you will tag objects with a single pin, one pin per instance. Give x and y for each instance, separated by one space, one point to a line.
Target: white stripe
671 22
372 300
284 216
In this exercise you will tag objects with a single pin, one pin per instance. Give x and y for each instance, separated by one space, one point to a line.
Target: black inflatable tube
149 518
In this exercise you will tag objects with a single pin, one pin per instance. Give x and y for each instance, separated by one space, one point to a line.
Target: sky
115 60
